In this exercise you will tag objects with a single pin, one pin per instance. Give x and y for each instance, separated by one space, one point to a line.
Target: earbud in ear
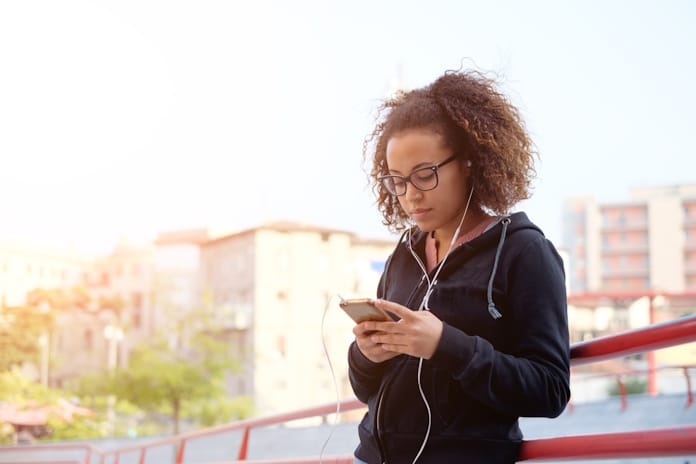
468 163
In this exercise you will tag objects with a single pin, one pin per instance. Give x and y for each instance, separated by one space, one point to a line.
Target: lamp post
44 343
113 335
43 368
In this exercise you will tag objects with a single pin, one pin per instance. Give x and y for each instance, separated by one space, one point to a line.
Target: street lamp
113 335
43 344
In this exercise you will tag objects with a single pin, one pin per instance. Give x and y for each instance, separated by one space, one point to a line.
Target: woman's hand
372 351
417 333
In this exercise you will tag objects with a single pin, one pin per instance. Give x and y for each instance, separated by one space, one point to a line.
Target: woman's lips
419 213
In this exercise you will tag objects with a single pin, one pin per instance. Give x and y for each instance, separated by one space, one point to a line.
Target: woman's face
442 207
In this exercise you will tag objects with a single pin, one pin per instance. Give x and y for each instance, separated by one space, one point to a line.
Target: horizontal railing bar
322 410
343 459
638 444
47 462
634 341
52 446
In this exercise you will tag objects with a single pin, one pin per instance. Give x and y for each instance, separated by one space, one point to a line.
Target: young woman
480 332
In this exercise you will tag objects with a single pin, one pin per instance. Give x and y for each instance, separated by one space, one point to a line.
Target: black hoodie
504 351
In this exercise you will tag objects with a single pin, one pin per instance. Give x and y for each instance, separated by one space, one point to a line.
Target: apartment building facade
647 243
26 266
276 287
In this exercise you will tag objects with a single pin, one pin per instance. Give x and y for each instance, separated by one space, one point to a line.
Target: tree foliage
21 329
182 376
25 394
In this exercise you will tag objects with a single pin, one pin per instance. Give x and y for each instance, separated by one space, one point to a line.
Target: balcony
624 248
616 225
637 271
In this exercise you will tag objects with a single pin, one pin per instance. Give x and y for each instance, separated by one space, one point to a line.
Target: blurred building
122 282
275 288
25 267
647 243
176 288
142 289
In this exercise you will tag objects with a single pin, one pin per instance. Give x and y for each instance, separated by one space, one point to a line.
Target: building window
281 346
621 220
137 318
88 339
137 300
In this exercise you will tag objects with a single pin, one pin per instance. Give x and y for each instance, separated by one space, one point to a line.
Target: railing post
244 445
117 457
180 451
652 374
142 455
622 392
689 393
88 457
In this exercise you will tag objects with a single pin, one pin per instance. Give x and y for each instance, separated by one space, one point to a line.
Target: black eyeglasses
423 179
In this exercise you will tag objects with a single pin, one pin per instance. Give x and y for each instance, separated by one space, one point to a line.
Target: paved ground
643 412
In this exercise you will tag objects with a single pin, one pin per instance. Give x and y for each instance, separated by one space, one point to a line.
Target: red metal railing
664 442
648 338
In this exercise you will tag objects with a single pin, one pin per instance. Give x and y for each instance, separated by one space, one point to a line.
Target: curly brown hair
476 121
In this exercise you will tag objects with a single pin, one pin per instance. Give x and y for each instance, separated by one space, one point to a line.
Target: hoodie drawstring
492 310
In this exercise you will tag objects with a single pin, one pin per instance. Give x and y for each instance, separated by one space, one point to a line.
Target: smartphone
361 309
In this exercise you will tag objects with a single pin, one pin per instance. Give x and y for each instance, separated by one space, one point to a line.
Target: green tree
20 331
22 392
182 376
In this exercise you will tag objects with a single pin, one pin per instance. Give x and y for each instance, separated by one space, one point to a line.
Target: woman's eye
424 175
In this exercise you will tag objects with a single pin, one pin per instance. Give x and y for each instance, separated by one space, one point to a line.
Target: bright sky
127 118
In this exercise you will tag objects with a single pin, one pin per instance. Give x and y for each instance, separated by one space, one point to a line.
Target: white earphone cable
333 379
425 306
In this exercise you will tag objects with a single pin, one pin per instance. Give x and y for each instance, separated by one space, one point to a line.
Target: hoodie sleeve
532 378
364 375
